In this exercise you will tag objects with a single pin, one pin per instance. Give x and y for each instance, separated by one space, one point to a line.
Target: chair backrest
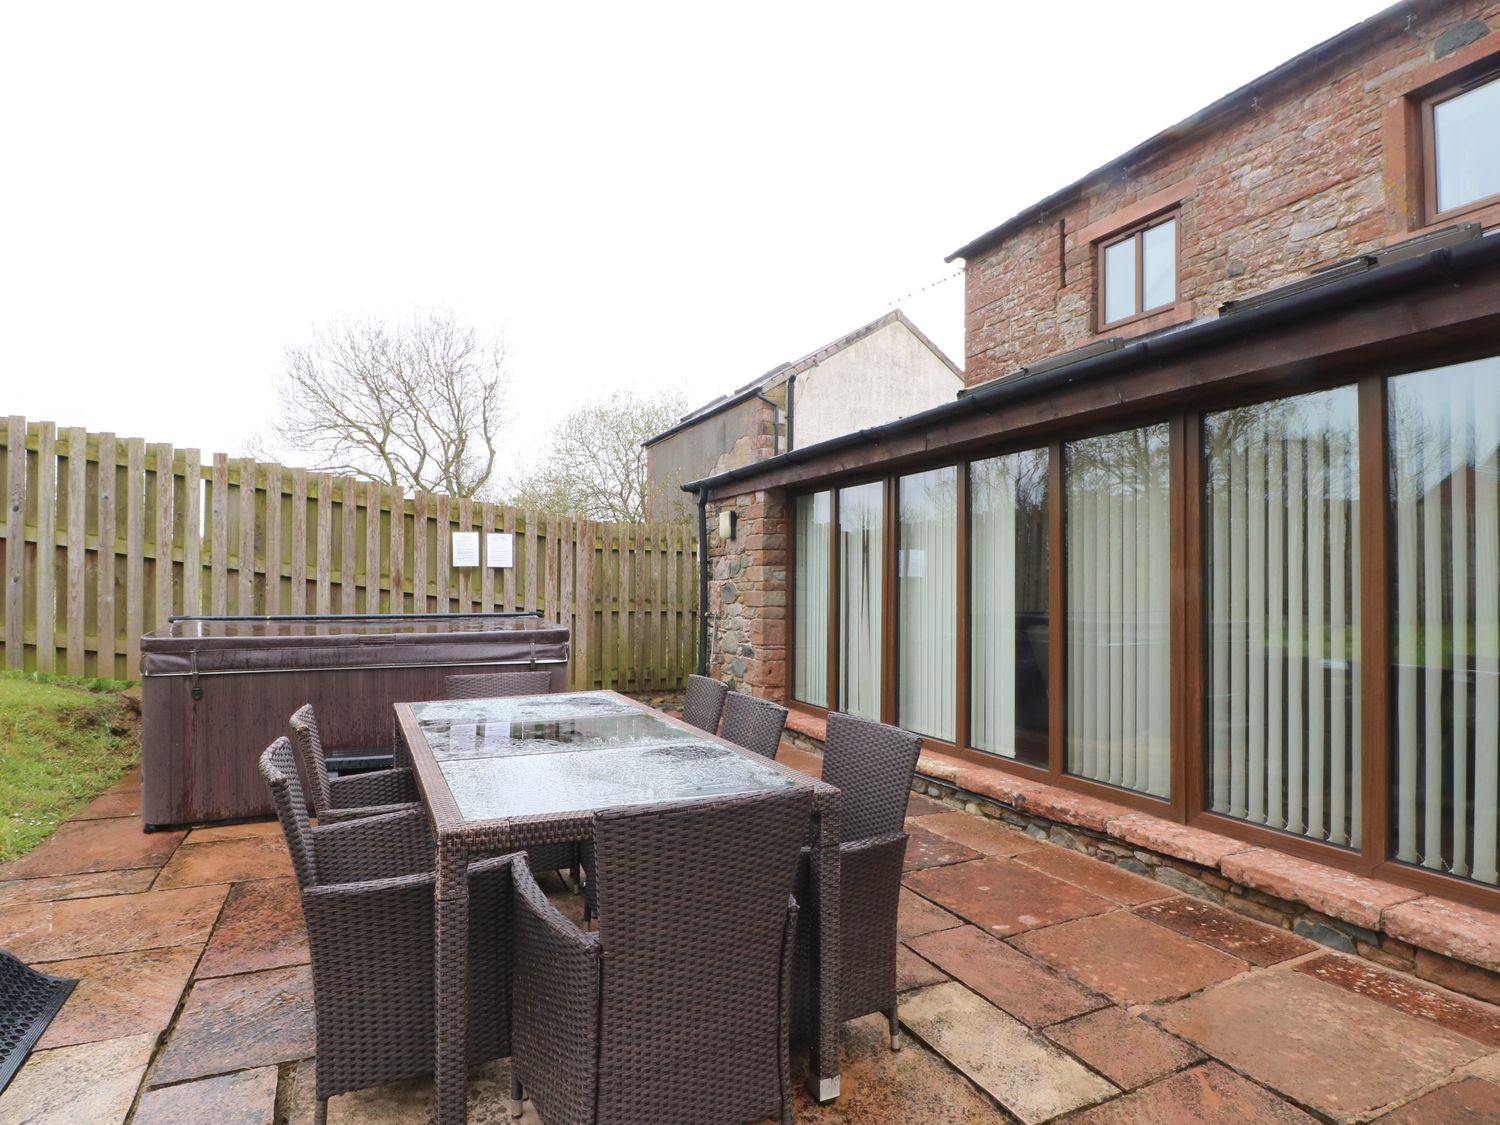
496 685
872 764
278 765
692 925
754 723
310 759
704 702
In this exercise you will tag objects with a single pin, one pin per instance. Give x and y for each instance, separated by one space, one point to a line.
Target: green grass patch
62 742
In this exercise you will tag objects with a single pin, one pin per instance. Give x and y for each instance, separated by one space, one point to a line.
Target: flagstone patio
1038 984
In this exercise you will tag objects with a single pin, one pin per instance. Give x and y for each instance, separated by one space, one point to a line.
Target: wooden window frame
1476 208
1188 707
1136 233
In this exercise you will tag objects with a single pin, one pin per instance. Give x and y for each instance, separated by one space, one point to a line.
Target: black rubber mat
28 1001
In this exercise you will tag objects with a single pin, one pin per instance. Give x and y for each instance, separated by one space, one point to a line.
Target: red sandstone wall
1300 180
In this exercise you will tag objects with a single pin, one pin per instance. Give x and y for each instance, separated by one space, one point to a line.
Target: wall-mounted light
728 519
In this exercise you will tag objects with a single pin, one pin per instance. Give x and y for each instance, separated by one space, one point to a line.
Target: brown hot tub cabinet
217 691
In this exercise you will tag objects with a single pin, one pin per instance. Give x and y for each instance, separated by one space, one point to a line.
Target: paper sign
466 548
499 548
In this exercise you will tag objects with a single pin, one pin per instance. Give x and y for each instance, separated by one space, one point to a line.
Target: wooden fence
103 538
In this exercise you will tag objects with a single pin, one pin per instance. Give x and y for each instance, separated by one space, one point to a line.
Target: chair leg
517 1095
895 1028
320 1111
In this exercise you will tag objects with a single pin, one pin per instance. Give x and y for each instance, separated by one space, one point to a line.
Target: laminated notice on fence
499 549
466 548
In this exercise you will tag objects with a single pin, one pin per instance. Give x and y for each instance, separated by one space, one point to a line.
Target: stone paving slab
119 995
919 804
231 1023
1324 1047
1125 1049
1129 959
916 916
1004 896
84 927
1028 1075
1479 1022
249 830
1095 875
928 849
119 801
991 837
246 1097
1205 1095
915 972
260 927
91 1082
49 888
1231 933
226 861
1013 982
94 845
1470 1101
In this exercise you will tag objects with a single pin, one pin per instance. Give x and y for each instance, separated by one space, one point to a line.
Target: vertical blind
1281 554
861 551
927 601
1008 634
1119 612
1445 604
810 600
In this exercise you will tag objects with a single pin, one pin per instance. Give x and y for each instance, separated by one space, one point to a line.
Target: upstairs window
1463 147
1138 271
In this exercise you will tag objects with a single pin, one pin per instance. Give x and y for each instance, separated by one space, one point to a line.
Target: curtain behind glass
1445 601
927 579
1119 612
861 542
1009 630
1281 553
810 600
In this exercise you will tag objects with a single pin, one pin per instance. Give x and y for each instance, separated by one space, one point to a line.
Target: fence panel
102 538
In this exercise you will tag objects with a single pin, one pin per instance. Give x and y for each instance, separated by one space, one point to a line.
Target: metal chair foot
895 1023
517 1095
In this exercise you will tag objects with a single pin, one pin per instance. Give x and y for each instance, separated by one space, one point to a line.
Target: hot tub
217 691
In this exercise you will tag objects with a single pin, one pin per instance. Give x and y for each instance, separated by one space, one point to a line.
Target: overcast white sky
643 195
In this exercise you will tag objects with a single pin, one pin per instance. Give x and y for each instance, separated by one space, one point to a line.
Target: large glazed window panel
1281 560
1009 629
1466 146
1445 618
927 600
1119 610
861 547
814 537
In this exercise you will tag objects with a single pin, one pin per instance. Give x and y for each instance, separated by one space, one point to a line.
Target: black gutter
1444 264
703 582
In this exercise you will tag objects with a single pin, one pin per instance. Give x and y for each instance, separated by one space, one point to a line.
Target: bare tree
594 464
415 404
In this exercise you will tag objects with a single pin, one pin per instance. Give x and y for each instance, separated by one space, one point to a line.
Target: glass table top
576 752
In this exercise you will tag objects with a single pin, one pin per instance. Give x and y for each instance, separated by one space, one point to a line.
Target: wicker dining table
503 775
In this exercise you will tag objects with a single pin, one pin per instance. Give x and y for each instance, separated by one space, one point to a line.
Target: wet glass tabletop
575 752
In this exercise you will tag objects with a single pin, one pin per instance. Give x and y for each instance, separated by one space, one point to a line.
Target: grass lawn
62 742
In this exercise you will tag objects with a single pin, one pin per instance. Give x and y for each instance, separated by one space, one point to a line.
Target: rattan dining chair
676 1010
872 765
498 685
704 702
345 798
754 723
367 898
